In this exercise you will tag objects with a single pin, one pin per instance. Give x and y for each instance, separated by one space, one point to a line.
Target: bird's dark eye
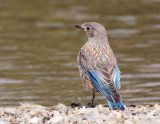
89 28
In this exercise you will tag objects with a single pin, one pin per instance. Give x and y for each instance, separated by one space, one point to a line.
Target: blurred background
39 47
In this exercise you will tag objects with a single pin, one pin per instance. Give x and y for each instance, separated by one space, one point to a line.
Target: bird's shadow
89 105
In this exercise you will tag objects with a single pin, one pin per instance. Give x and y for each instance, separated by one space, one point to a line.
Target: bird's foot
90 105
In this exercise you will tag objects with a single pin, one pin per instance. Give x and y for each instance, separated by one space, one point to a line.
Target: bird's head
93 30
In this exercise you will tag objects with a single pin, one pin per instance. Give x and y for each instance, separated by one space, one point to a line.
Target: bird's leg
93 96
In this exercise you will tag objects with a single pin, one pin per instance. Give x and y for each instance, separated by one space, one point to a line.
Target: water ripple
153 75
149 84
144 99
122 33
9 81
73 65
132 59
135 90
141 45
9 48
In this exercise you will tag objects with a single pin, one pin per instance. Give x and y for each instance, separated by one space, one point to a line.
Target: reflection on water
39 47
122 33
150 84
3 81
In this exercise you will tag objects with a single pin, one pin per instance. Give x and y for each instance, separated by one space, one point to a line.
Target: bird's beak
77 26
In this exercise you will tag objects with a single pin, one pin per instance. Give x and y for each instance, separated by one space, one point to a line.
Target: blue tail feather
116 106
117 83
105 90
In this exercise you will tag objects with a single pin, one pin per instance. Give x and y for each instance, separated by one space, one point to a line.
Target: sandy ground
77 114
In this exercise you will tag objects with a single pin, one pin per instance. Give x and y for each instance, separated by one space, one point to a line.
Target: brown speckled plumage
96 56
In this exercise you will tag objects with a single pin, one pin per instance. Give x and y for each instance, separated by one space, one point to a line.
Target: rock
74 119
82 110
12 120
156 107
10 110
56 113
66 120
60 106
34 120
79 120
119 115
55 120
26 105
110 115
3 122
128 122
101 108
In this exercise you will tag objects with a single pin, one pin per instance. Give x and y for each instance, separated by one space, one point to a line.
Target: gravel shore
77 114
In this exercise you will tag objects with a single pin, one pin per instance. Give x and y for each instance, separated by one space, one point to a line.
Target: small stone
12 120
128 122
157 113
56 113
110 115
119 115
66 120
26 105
63 114
3 122
101 109
26 116
104 117
69 112
34 120
79 121
17 119
79 111
10 110
156 107
61 106
135 118
74 119
136 113
55 120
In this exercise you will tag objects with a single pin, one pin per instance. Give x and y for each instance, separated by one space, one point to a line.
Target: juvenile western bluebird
98 65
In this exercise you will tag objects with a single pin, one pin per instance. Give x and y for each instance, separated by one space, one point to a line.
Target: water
39 47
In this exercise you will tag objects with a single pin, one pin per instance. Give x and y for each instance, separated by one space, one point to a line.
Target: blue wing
108 89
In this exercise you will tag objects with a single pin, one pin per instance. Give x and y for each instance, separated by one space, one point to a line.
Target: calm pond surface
39 47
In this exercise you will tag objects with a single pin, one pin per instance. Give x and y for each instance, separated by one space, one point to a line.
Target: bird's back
92 56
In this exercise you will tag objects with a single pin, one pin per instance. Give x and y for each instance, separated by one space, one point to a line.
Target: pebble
55 120
2 122
156 107
56 113
10 110
61 114
34 120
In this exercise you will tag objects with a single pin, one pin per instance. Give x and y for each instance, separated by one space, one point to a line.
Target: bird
98 65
